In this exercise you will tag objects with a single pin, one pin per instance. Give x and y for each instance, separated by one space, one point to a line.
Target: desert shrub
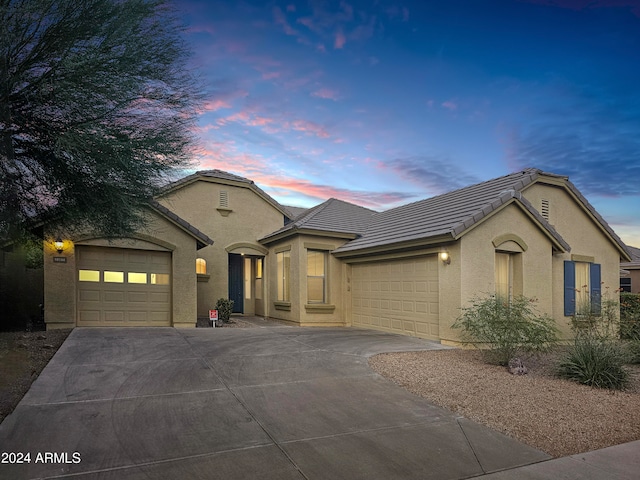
595 361
633 350
505 328
225 308
630 316
597 356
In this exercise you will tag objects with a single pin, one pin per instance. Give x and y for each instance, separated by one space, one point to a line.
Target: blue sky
385 102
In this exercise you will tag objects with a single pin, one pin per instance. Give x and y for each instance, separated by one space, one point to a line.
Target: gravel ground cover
554 415
23 355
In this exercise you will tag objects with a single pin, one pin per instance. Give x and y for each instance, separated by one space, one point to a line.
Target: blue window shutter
569 288
596 287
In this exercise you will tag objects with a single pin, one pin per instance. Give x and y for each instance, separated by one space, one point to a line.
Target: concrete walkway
275 402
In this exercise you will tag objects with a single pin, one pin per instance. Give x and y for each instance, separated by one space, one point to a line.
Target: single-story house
407 270
630 272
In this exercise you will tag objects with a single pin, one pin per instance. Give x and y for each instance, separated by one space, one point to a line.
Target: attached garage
399 296
123 287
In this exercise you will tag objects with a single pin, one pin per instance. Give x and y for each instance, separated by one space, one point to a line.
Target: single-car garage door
399 296
123 287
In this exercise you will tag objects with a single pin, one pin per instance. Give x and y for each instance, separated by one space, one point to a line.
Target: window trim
595 287
283 277
325 258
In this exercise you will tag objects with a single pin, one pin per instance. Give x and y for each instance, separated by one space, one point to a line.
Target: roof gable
448 216
333 216
224 178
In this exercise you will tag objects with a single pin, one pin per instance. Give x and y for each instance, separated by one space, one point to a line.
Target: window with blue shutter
596 288
571 287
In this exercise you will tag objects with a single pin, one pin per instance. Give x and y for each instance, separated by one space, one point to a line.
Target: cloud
435 175
325 93
285 188
309 127
450 105
591 137
282 187
340 40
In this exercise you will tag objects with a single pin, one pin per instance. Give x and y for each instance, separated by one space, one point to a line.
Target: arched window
201 266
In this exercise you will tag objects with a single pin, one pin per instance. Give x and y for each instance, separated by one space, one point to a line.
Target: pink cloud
326 94
450 105
280 19
340 40
270 75
216 104
310 128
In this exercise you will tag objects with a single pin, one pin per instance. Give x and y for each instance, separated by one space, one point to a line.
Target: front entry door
236 283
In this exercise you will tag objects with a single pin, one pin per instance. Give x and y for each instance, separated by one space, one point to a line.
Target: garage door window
135 277
159 279
114 277
89 275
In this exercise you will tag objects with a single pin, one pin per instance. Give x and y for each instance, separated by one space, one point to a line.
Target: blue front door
236 283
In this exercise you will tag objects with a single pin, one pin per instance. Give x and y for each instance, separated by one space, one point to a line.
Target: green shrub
225 308
633 349
630 315
504 329
595 361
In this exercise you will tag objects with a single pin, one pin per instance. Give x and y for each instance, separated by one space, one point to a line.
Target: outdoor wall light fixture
446 259
59 244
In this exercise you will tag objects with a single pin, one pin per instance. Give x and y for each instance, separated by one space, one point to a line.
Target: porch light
446 259
59 244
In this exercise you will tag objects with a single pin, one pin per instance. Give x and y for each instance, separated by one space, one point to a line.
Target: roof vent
544 210
224 199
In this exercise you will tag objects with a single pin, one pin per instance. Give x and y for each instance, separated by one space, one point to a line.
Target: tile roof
334 215
449 214
635 258
202 239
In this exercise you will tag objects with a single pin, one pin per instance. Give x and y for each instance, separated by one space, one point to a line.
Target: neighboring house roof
226 178
295 211
333 217
634 264
447 217
201 239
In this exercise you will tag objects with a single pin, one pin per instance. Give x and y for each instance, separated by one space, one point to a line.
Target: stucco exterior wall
298 310
284 310
471 273
246 218
586 239
60 285
333 312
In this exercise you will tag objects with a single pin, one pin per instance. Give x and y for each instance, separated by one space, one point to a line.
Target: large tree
97 106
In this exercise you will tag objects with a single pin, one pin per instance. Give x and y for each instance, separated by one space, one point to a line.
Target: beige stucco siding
471 273
234 228
298 309
161 235
586 239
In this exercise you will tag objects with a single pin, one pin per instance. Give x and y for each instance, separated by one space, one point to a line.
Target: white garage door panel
400 296
124 287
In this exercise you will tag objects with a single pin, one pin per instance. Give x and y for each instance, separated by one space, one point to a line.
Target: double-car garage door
398 296
123 287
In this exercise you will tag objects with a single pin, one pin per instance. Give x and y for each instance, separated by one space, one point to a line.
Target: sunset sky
385 102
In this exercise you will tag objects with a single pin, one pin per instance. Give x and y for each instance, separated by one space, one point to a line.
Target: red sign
213 315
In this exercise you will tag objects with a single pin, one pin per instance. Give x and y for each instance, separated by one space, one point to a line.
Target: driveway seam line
470 446
252 415
159 462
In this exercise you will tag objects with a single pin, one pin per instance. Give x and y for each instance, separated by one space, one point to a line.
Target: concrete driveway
265 403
